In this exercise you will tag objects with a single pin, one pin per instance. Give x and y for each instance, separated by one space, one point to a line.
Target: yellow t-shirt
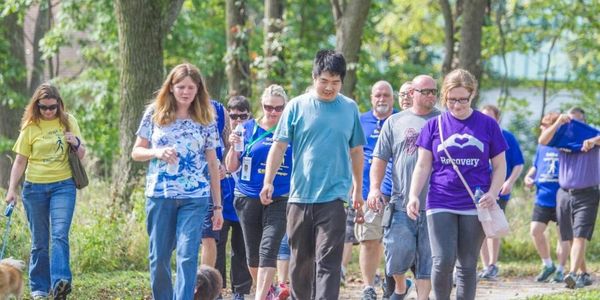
46 149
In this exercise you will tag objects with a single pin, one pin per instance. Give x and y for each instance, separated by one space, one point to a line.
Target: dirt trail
505 288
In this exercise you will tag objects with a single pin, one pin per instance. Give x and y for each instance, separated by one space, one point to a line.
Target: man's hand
357 204
266 194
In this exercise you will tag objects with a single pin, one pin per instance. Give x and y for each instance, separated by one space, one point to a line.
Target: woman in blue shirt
263 224
178 135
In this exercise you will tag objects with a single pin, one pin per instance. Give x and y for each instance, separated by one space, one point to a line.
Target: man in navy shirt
490 249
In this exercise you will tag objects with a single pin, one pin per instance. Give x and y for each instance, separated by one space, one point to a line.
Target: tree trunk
448 36
469 51
141 35
214 84
16 82
350 18
273 48
42 25
237 60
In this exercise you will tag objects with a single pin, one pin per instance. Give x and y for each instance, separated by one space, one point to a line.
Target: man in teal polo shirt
327 139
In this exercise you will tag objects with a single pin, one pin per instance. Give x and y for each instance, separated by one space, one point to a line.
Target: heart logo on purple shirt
461 141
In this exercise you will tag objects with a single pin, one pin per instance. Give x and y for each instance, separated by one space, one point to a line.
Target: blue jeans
174 224
49 208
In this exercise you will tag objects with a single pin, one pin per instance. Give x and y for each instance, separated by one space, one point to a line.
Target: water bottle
239 130
484 213
370 215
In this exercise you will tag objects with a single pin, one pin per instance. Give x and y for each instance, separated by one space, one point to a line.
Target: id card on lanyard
246 159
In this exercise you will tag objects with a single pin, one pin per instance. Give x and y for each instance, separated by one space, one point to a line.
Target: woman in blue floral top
178 135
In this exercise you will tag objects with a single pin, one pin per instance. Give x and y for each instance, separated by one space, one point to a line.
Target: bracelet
217 207
78 143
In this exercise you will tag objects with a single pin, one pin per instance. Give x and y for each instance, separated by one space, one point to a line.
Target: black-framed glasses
238 116
47 107
427 92
458 100
271 108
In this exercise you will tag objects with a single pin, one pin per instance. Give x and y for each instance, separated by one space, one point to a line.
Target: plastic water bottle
370 215
239 130
484 213
173 169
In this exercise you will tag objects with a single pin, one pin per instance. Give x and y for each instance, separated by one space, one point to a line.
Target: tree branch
337 9
171 13
448 36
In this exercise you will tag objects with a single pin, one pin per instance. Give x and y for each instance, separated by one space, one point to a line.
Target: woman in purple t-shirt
473 140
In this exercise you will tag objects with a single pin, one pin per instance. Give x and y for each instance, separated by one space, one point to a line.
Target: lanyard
262 136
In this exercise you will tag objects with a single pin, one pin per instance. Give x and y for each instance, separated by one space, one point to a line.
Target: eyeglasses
403 94
47 107
458 100
238 116
427 92
270 108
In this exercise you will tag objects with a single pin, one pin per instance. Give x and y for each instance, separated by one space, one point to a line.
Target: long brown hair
32 113
166 106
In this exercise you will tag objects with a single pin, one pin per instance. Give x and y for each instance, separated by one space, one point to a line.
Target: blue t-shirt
322 134
191 140
227 184
372 127
570 136
257 142
514 156
546 175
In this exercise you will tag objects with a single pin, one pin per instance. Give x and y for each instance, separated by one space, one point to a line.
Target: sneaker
409 285
238 296
583 279
284 291
377 281
61 290
570 281
559 276
273 293
369 293
545 273
491 272
480 274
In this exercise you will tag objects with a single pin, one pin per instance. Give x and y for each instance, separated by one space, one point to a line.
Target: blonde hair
458 78
274 90
166 106
32 114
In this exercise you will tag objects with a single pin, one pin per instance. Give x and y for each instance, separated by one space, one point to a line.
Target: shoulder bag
79 174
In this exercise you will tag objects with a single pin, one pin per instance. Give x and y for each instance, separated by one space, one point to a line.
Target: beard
382 109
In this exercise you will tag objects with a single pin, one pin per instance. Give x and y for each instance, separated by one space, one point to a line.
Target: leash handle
8 214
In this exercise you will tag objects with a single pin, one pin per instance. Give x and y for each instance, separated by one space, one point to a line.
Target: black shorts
350 237
577 212
543 214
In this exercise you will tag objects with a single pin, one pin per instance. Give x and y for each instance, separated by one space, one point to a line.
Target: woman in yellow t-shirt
47 132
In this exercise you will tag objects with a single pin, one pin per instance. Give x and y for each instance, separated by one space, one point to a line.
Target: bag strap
454 166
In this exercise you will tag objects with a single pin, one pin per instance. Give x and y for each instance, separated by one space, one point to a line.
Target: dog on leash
11 279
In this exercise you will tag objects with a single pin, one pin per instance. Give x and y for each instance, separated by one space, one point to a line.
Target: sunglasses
47 107
270 108
427 92
238 116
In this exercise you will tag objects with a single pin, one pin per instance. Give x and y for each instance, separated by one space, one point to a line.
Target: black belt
587 189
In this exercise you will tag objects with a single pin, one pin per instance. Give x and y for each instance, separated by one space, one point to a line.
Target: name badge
246 165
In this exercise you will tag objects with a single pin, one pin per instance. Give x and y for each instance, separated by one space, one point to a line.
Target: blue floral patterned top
190 139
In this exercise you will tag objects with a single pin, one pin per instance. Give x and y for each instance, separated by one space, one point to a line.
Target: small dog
11 279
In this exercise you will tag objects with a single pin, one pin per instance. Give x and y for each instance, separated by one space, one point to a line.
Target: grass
109 247
583 294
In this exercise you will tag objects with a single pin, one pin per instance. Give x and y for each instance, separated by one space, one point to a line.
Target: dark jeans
316 237
263 227
241 281
454 238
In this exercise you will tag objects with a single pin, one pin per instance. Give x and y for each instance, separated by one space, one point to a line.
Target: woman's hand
528 181
412 207
487 200
72 139
234 139
168 154
11 197
217 219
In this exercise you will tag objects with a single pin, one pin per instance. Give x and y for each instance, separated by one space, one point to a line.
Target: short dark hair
329 61
238 103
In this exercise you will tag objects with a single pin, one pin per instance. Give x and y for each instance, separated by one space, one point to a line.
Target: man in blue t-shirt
327 140
490 249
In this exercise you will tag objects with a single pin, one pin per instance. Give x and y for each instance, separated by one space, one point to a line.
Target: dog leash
8 214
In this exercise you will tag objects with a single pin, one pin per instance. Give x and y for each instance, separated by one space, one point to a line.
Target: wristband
217 207
78 143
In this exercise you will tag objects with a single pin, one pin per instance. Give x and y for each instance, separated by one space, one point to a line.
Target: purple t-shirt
579 170
471 143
